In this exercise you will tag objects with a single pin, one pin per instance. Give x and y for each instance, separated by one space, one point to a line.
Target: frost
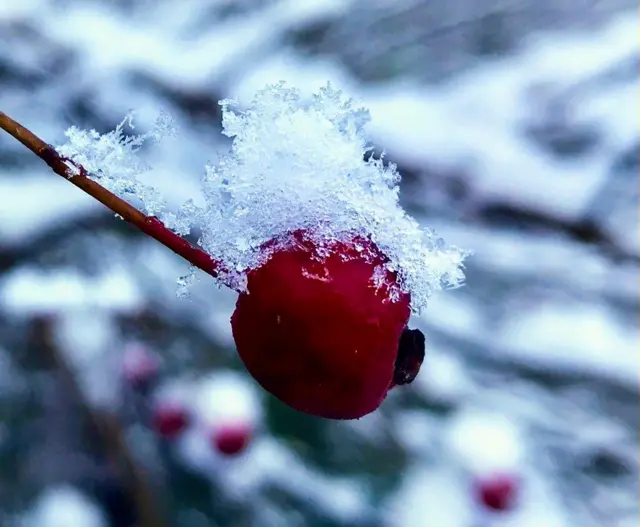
308 166
181 222
185 282
112 159
293 166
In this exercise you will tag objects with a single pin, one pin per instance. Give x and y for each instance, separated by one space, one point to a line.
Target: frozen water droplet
185 282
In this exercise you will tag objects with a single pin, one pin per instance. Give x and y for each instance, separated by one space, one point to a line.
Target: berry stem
77 175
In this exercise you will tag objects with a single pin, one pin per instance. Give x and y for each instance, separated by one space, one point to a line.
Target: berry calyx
497 492
320 323
170 419
410 357
231 439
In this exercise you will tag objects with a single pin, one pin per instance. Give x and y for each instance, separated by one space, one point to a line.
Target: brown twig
109 432
77 175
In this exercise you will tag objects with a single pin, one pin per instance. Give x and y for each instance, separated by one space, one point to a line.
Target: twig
77 175
110 433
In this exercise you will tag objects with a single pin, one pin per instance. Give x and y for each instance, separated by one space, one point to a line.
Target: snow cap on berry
224 397
490 451
228 410
485 443
171 408
306 166
295 165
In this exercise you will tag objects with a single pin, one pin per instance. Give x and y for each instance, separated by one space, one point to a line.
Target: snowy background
515 127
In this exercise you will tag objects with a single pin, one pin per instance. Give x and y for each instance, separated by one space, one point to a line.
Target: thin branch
110 433
77 175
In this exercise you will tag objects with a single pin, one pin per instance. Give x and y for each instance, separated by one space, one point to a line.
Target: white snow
42 200
17 10
64 506
28 290
482 442
440 497
567 335
112 159
475 119
297 166
292 167
443 377
475 443
270 462
227 397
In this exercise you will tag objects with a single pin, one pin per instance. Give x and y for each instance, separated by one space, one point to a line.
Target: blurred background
515 127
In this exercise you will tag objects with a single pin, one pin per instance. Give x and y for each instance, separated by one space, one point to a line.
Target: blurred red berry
498 492
140 367
318 327
231 439
170 419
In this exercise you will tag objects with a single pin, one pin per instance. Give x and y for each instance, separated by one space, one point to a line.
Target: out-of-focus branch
110 433
77 175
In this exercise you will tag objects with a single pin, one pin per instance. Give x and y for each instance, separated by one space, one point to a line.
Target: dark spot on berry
410 356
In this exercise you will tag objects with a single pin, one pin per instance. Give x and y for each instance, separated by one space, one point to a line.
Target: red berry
170 419
498 492
318 327
231 439
140 366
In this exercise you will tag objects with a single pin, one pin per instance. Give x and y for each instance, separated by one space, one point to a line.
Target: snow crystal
292 167
309 167
185 282
112 159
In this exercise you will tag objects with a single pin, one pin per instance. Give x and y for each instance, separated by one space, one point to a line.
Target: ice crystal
112 159
185 282
308 166
293 166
